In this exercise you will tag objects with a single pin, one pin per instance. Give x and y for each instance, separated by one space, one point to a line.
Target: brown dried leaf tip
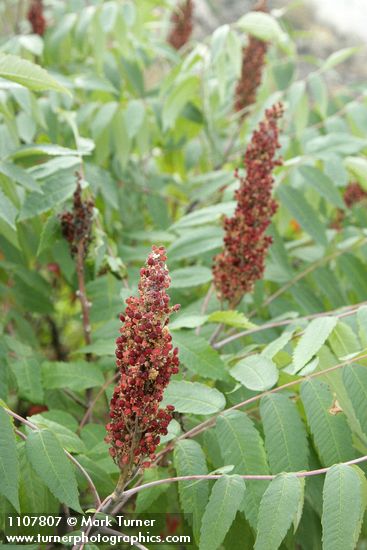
242 261
76 226
181 21
146 360
36 18
253 61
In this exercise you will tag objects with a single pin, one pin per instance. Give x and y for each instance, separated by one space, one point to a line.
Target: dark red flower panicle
354 193
181 21
253 61
242 261
146 359
36 18
76 226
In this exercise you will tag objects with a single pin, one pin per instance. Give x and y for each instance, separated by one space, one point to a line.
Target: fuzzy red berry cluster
36 18
242 261
181 21
253 60
76 226
354 193
146 359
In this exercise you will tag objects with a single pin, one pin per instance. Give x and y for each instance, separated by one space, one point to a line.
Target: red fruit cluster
242 261
354 193
146 360
253 61
181 21
36 18
76 226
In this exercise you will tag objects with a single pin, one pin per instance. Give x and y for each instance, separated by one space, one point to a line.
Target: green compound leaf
279 507
48 459
21 176
189 459
27 373
338 57
231 318
285 434
9 467
362 324
33 493
241 445
263 26
67 438
344 503
76 376
195 242
256 372
50 233
343 341
53 194
193 397
278 344
221 510
198 356
27 74
303 212
8 212
323 185
209 214
312 339
355 380
190 276
177 99
331 434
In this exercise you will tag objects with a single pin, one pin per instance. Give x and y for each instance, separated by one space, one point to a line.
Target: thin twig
20 434
205 306
75 398
350 311
267 477
89 528
93 403
85 305
218 331
215 334
228 149
81 293
101 508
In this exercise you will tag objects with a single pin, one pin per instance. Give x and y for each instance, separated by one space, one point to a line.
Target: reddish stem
85 305
269 477
348 310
